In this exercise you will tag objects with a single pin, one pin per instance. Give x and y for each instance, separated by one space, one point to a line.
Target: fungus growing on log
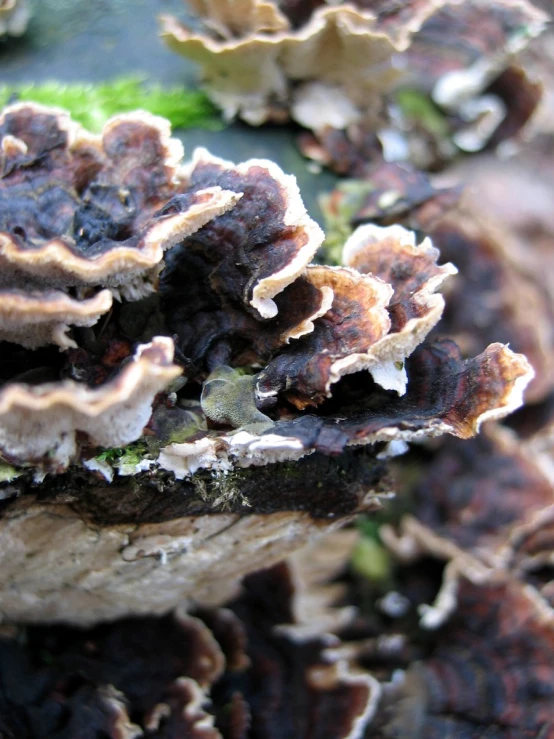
187 417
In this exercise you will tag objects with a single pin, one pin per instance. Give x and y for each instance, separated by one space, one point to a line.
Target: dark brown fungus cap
291 689
485 497
495 294
399 193
159 671
222 282
269 233
446 394
79 209
347 152
255 668
490 672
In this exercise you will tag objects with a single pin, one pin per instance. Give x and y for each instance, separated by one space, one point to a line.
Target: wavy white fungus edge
56 265
243 449
386 358
224 453
346 674
43 420
228 18
382 293
510 402
33 320
244 75
295 215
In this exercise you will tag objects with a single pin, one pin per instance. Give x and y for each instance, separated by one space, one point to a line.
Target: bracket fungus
327 64
333 65
497 231
234 452
204 676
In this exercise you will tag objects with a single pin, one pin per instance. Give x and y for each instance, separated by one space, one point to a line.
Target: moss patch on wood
92 104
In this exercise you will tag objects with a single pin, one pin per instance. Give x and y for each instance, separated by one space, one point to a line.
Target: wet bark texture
82 550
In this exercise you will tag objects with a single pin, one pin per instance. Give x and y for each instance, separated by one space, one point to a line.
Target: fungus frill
284 365
330 65
337 62
205 676
81 210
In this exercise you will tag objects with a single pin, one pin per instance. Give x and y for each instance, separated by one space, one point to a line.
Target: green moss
92 104
131 454
418 107
9 473
339 208
222 490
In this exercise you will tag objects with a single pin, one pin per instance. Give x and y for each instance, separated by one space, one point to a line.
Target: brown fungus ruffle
340 342
222 284
45 420
375 322
489 672
499 236
84 210
228 673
